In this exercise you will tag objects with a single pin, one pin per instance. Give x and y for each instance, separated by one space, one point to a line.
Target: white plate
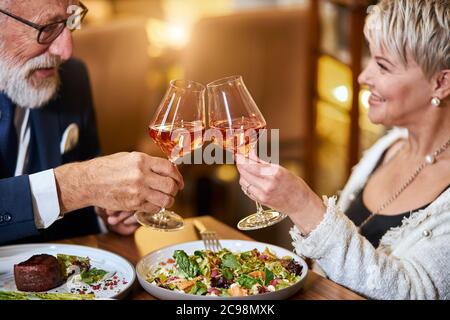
101 259
162 255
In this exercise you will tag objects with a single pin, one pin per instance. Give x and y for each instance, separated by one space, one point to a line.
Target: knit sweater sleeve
421 272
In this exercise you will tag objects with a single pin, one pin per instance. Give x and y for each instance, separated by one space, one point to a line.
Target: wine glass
178 128
235 115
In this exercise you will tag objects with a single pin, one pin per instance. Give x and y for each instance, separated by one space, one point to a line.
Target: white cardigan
411 262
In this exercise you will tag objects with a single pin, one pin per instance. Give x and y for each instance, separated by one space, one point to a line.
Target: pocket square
70 138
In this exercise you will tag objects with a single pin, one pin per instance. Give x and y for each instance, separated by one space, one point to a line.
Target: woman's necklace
429 160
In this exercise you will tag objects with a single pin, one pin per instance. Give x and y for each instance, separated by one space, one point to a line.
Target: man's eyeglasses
49 32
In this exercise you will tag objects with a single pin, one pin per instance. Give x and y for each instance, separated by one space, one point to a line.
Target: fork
209 237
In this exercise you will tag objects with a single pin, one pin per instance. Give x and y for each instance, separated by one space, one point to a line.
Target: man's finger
130 221
159 199
119 217
166 168
124 230
164 184
150 208
111 212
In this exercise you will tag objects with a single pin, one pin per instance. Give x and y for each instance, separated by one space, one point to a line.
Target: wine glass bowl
177 140
238 123
234 114
178 128
178 125
240 135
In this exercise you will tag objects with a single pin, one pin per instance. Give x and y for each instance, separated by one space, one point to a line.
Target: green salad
225 273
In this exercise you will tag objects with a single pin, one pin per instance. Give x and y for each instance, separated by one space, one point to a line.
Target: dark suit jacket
73 104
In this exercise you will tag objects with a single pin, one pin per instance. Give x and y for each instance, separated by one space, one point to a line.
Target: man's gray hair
418 27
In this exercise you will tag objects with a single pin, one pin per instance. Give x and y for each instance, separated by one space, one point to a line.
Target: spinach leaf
199 289
230 261
246 255
246 281
187 266
199 254
227 274
269 276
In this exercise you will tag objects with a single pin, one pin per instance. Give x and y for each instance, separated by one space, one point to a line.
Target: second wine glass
237 119
177 128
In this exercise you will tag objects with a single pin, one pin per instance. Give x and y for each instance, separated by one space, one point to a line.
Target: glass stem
259 208
160 214
259 212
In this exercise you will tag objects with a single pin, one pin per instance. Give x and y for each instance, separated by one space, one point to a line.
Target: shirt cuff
45 198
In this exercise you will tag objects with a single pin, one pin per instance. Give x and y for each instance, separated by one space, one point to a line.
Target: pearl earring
435 102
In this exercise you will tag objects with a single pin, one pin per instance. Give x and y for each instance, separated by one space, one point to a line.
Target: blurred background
300 59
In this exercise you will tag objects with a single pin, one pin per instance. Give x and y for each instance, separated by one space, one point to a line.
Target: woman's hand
277 188
120 222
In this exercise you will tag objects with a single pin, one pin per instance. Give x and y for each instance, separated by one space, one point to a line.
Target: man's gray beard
16 84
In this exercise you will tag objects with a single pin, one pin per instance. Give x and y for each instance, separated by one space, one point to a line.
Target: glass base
260 220
162 221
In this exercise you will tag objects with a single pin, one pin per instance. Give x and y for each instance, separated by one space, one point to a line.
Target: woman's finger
251 190
257 181
257 168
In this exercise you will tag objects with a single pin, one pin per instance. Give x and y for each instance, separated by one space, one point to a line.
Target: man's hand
120 182
120 222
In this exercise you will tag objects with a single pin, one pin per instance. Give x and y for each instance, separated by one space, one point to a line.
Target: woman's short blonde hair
418 27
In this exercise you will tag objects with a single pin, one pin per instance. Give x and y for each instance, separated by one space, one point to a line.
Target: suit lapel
44 146
8 137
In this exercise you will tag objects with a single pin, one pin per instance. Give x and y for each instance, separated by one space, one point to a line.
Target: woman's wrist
310 215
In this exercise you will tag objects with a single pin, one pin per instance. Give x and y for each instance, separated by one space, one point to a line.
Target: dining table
145 240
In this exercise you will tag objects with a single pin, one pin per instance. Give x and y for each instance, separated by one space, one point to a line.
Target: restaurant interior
300 60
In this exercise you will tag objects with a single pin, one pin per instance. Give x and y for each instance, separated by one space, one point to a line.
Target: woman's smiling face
400 95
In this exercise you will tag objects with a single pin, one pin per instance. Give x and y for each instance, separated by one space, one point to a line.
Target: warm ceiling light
341 94
227 173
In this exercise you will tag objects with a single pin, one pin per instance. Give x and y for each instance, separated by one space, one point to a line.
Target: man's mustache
42 62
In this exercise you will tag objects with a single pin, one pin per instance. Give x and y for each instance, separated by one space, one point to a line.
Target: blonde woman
388 236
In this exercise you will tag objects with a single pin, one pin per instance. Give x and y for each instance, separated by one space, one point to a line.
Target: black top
375 228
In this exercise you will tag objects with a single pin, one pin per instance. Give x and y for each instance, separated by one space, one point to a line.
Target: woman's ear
442 85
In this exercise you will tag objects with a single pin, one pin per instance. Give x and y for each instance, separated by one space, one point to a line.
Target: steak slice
39 273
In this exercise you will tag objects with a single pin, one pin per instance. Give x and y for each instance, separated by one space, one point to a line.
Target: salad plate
108 276
242 270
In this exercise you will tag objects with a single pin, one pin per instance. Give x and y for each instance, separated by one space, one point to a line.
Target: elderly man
48 135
